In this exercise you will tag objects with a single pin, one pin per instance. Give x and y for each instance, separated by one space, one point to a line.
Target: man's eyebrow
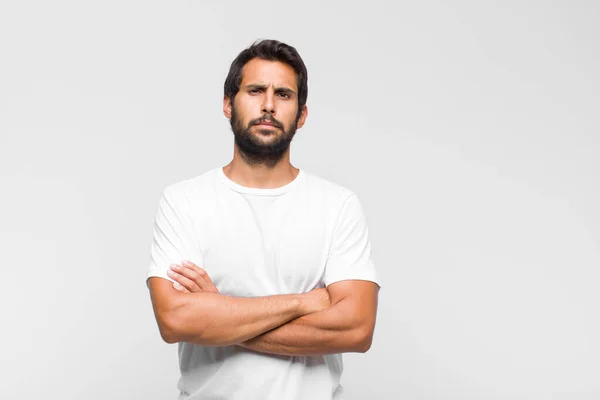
284 89
281 89
255 86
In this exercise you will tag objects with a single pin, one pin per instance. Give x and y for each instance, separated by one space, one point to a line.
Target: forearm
212 319
334 330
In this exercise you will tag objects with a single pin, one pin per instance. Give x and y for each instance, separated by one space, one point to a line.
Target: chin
266 132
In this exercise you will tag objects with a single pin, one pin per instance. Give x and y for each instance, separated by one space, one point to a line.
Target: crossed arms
338 319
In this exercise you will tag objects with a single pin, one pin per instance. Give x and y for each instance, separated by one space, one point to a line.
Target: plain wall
469 130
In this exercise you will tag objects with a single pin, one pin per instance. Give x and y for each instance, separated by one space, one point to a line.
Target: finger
199 276
201 272
193 278
184 281
180 288
192 274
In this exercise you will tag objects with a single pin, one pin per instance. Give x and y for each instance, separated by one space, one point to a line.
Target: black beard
253 150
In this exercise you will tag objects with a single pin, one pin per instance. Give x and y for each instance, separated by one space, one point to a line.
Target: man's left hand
190 278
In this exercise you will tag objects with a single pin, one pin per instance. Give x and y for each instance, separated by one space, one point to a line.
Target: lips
267 120
268 123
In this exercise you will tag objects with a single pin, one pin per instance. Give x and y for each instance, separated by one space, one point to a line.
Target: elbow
168 329
363 341
172 312
365 345
169 337
172 326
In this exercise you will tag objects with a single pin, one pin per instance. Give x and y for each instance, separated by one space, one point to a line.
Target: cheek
249 110
288 115
239 115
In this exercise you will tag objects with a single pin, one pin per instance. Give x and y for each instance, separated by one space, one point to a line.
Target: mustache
267 117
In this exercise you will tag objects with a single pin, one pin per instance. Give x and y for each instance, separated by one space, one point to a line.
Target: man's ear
227 107
303 116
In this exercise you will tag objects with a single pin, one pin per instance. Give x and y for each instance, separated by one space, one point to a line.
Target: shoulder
340 202
329 189
188 188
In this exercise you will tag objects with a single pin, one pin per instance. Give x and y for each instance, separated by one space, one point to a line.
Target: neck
260 175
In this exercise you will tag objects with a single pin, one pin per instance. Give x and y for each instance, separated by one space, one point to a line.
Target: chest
265 247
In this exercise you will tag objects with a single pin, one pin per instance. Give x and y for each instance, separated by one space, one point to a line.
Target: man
259 270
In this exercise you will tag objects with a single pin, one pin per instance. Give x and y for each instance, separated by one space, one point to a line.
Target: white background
469 130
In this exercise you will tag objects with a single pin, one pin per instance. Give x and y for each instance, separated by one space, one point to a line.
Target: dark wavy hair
271 50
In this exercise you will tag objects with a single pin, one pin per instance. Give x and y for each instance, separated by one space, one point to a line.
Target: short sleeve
174 237
350 252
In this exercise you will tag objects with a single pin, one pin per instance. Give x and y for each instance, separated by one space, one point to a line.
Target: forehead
259 71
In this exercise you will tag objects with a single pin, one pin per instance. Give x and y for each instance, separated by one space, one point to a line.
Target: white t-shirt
259 242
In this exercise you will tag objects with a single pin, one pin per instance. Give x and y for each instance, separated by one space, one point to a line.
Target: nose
268 105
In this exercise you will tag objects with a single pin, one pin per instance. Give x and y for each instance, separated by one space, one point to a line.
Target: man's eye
253 91
284 95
